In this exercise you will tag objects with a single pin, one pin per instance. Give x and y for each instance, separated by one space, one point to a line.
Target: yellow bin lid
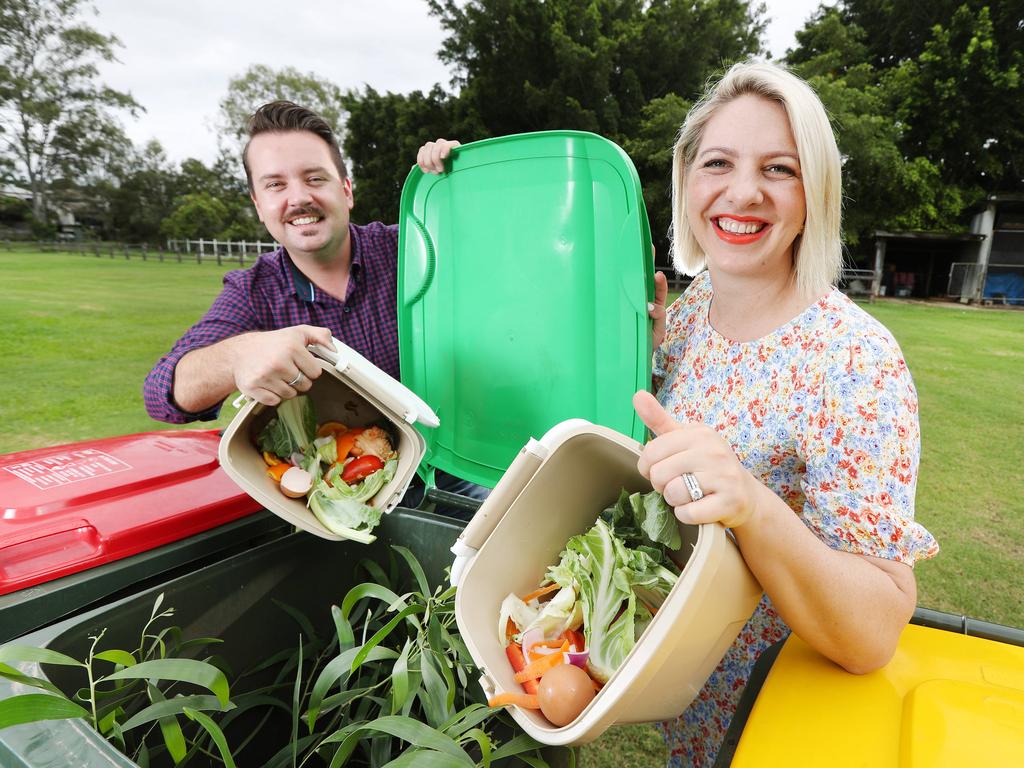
945 700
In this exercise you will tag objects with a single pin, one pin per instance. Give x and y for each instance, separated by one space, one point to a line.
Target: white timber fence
221 251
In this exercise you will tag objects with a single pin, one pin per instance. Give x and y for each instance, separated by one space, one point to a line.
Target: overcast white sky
177 57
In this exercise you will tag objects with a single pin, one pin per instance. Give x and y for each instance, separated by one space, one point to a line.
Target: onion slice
530 638
577 658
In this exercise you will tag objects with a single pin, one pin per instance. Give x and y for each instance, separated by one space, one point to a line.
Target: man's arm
262 365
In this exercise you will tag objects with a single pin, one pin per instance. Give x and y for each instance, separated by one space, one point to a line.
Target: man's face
299 195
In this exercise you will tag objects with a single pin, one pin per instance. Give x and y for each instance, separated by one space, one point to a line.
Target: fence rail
198 251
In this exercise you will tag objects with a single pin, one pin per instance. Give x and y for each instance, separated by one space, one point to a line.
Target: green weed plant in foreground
390 685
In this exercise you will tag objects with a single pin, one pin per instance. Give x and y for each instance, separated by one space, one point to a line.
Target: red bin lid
72 507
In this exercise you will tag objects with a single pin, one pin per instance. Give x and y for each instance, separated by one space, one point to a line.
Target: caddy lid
524 276
403 401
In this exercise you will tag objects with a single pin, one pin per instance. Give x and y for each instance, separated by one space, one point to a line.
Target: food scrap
338 469
565 639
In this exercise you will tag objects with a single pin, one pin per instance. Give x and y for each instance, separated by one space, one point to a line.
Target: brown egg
564 692
296 482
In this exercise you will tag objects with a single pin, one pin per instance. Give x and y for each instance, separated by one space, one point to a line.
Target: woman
783 410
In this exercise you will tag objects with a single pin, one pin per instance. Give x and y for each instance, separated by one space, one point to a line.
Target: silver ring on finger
696 494
296 380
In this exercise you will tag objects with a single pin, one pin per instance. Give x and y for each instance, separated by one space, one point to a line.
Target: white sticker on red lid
67 467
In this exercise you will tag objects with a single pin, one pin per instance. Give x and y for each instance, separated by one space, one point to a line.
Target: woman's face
744 192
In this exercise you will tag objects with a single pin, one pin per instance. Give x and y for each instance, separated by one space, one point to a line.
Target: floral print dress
824 412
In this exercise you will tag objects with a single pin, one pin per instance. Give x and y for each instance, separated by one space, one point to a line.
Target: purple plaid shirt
273 294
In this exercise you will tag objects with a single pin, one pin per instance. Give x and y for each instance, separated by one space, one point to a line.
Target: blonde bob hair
817 252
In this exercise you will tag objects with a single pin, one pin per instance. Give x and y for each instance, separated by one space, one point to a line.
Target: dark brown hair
282 116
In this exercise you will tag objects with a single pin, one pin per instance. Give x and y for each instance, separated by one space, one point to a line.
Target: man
328 276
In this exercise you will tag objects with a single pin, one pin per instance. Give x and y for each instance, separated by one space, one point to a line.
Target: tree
384 132
260 84
587 64
924 136
56 119
197 215
651 152
963 104
139 195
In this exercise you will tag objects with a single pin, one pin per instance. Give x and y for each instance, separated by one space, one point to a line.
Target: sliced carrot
510 631
514 653
524 700
270 459
540 592
537 668
553 646
277 471
345 442
335 428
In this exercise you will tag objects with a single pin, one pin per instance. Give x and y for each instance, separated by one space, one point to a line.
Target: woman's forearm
851 608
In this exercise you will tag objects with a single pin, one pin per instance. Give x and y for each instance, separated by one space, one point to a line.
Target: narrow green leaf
215 733
183 670
346 638
465 719
484 742
33 707
174 739
516 746
400 679
123 658
197 642
296 701
381 750
377 574
175 706
434 695
12 674
424 758
299 617
415 567
16 653
408 730
383 632
534 761
339 668
364 591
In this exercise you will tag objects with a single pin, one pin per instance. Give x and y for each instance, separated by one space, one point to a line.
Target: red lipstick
735 238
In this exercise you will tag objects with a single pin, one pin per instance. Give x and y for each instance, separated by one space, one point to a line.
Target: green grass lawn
82 332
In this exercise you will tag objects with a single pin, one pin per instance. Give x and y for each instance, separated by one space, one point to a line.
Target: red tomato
360 468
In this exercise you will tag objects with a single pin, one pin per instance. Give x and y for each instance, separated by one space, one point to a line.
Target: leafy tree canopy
260 84
56 118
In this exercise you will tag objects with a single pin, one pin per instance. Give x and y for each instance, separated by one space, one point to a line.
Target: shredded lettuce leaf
292 430
342 508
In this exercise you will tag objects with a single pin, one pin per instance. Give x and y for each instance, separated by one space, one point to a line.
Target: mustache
305 210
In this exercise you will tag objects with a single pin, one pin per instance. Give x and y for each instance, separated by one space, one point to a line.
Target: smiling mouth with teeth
304 220
740 227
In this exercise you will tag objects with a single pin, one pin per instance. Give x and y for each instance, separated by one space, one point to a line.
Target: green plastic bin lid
524 276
